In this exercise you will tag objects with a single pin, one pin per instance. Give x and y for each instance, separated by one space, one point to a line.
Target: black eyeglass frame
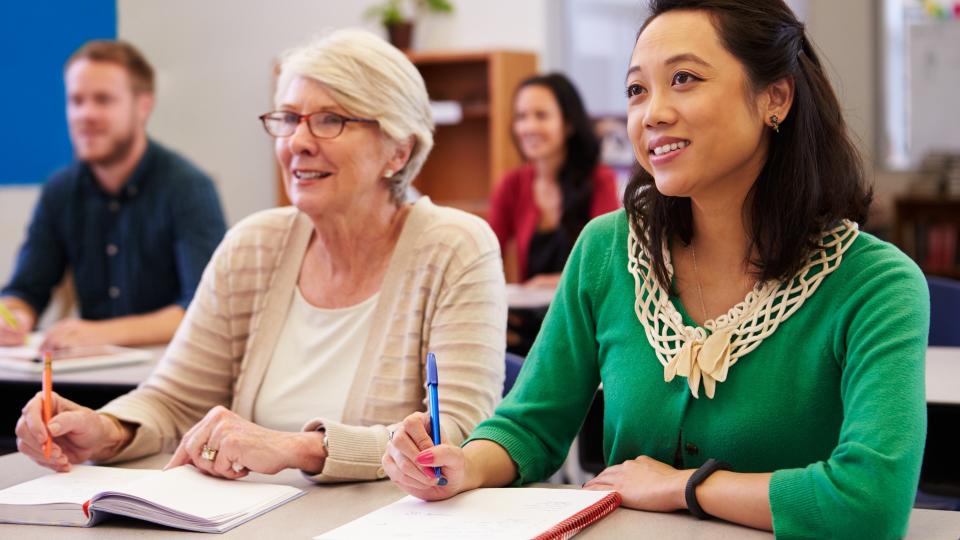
301 117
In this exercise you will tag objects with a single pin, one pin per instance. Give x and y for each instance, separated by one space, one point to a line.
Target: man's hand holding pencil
14 325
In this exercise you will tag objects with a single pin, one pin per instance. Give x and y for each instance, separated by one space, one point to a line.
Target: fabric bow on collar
708 360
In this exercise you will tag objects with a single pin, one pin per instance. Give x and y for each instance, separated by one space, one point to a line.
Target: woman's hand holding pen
225 444
411 456
79 433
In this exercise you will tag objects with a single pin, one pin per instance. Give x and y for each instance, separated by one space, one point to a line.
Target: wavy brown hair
813 175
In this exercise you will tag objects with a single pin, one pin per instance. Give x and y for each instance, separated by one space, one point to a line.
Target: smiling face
695 125
338 175
538 123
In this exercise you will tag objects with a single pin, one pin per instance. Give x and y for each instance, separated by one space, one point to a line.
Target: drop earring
775 123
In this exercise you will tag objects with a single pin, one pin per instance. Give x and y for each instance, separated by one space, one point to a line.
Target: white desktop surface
943 375
328 506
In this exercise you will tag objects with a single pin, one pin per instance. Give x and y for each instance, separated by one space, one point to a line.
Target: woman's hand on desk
79 433
411 456
240 446
645 484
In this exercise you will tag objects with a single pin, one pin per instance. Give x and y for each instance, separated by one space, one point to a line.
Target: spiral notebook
485 514
183 498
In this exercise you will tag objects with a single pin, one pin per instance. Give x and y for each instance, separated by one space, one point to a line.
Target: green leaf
439 6
390 12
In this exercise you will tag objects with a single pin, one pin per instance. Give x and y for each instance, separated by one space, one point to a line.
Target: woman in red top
544 204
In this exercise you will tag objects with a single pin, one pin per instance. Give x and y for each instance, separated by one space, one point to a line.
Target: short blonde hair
372 79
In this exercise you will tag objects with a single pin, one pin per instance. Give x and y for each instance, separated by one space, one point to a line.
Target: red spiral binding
577 522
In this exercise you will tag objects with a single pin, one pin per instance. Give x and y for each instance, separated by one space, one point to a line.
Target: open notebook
182 497
27 357
484 514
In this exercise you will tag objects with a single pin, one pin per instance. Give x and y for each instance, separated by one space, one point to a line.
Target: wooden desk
326 507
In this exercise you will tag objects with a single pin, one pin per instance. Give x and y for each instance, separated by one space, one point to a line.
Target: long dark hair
583 151
813 175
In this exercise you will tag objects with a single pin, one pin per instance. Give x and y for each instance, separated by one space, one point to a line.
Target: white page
76 486
189 491
481 514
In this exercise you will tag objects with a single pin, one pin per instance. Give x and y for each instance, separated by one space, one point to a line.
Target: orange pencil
47 383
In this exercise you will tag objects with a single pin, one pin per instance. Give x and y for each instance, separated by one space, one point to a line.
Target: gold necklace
696 274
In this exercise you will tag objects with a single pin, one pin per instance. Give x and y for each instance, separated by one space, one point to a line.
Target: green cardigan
832 402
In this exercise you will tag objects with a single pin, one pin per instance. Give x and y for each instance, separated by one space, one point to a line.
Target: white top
313 364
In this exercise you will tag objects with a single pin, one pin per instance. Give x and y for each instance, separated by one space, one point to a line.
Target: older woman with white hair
307 338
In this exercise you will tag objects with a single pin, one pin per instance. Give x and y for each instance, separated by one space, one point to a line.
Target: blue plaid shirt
136 252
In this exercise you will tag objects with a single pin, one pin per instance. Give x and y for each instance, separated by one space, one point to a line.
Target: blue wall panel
36 37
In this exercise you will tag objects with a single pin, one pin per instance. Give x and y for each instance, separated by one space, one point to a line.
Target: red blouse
514 213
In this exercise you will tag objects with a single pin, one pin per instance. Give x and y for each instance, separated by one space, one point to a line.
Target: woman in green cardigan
733 311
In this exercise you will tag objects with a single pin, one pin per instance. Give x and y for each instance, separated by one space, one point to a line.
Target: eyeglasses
323 125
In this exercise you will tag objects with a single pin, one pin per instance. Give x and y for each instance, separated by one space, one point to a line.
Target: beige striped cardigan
443 291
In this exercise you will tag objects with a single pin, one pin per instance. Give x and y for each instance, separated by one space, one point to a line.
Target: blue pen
434 409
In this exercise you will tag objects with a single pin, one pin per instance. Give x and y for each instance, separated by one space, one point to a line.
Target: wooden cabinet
471 156
928 230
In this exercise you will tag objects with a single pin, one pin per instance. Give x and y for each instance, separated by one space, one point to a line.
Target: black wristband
690 493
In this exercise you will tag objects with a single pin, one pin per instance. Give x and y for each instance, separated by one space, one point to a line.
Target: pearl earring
388 173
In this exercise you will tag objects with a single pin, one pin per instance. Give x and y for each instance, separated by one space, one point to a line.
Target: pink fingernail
425 457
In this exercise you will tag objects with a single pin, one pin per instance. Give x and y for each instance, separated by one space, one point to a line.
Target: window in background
920 70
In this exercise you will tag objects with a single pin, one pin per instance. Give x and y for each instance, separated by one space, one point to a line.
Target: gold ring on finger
207 453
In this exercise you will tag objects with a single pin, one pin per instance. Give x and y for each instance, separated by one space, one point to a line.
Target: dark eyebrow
688 57
685 57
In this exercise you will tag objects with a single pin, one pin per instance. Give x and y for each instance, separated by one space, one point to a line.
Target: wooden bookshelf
927 228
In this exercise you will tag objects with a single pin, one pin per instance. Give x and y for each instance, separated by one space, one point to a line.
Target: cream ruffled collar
692 352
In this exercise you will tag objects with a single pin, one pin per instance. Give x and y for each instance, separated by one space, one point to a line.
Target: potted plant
397 17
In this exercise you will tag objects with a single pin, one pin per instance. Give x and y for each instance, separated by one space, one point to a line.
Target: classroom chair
513 364
944 312
590 440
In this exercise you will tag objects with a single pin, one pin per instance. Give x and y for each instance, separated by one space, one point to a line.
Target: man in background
134 222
